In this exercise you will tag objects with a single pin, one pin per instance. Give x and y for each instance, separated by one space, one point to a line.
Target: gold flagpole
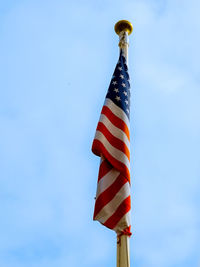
123 28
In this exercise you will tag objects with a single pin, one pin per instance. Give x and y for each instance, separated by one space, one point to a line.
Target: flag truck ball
123 25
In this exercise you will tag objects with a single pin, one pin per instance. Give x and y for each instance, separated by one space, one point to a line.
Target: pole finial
123 25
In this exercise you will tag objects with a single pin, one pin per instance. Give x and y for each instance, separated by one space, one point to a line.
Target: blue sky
57 59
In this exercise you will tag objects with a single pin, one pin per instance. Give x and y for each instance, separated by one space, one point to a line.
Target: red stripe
114 141
98 149
123 208
116 120
106 196
104 168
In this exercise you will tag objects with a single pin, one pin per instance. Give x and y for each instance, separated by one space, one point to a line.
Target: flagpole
123 28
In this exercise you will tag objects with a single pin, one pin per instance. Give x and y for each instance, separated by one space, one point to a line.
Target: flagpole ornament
123 25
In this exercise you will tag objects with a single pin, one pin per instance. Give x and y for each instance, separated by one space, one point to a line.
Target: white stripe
117 111
106 181
124 222
108 210
116 153
114 130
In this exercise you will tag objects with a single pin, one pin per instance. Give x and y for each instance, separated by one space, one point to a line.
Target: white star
120 68
126 101
125 93
114 82
127 110
121 76
123 84
117 98
116 90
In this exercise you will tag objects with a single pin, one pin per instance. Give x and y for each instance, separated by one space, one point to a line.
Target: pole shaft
123 254
123 43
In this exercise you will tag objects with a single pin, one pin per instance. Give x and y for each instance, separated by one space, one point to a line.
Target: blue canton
119 89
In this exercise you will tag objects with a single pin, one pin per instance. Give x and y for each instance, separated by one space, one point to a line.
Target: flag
112 144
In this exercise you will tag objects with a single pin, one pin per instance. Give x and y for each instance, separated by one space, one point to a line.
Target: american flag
112 144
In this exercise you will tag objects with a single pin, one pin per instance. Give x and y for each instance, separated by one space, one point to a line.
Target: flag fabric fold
112 144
